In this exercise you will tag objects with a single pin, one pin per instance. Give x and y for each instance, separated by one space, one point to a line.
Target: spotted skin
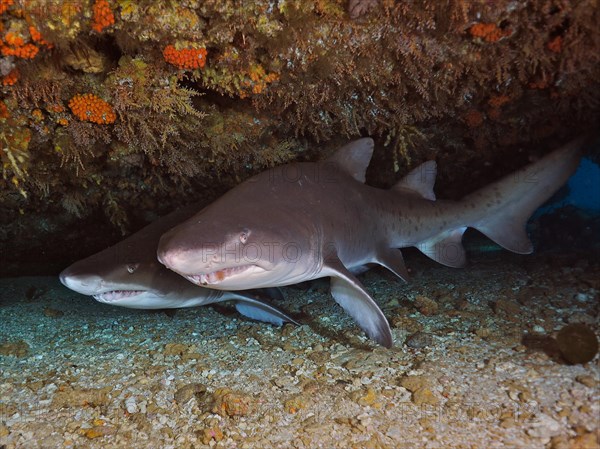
311 220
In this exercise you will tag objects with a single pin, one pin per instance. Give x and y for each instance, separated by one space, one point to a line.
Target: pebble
212 435
330 394
420 387
15 348
131 405
185 393
507 309
587 380
419 340
99 431
413 383
75 397
175 349
424 396
426 305
544 427
53 313
577 343
406 323
582 297
227 402
294 404
582 318
370 398
483 332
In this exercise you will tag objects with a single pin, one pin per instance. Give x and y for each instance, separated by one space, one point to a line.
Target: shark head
237 243
267 231
127 274
132 282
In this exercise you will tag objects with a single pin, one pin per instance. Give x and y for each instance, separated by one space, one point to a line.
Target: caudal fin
507 204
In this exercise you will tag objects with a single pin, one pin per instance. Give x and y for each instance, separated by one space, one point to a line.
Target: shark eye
132 267
244 235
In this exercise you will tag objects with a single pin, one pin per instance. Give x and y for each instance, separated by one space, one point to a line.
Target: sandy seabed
474 365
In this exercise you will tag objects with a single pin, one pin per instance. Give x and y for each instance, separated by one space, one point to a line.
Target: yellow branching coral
259 79
91 108
14 154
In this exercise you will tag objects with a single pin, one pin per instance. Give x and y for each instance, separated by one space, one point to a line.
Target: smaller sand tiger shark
304 221
127 274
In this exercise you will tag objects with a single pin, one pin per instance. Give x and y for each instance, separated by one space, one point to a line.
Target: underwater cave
142 139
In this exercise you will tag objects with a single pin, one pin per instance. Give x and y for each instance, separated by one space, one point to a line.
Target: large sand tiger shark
304 221
127 274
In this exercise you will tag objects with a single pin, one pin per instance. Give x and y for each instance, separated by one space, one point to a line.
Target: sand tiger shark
127 274
308 220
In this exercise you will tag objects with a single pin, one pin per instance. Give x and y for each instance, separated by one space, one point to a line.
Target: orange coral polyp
14 39
186 58
91 108
488 32
473 118
11 78
27 51
36 36
555 45
103 16
3 110
14 45
497 101
5 4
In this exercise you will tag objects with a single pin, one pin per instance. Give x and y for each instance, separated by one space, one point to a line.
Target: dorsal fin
354 157
419 180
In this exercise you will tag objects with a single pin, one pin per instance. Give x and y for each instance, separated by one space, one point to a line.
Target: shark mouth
217 276
116 295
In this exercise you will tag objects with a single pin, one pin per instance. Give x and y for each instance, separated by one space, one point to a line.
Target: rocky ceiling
115 112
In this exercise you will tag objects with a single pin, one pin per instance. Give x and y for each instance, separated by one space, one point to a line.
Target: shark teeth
216 276
116 295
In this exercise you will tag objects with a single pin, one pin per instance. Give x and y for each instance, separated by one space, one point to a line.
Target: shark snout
86 284
175 255
173 259
165 258
165 254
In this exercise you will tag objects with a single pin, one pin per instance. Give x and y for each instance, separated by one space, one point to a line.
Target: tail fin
508 203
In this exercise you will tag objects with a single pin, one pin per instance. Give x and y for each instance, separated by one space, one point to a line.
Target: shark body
127 274
304 221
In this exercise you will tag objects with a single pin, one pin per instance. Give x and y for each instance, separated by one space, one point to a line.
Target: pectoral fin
349 293
262 310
